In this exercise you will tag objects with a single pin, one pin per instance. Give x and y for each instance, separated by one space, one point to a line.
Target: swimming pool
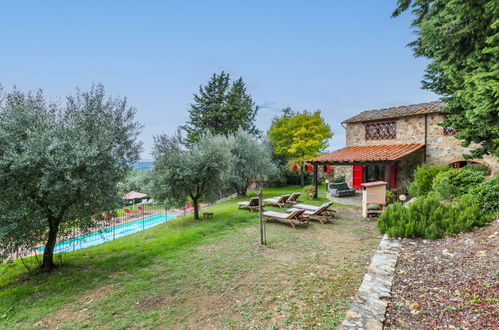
109 234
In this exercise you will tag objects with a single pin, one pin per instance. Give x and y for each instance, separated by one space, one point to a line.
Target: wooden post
263 238
316 183
388 175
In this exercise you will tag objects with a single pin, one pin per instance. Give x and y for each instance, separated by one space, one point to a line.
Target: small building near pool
388 144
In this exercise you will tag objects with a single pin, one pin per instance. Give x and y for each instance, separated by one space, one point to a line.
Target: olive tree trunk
196 208
48 254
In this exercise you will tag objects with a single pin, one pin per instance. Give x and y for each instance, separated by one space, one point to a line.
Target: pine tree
241 110
220 108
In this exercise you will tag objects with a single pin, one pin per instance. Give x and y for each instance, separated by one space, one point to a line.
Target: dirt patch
447 283
77 311
251 230
165 298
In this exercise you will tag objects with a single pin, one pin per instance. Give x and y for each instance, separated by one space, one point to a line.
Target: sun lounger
277 201
295 218
127 211
140 208
293 198
252 205
321 213
307 207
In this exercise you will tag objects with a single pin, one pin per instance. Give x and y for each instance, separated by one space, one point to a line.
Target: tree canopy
199 172
221 107
60 165
252 160
299 136
136 180
461 38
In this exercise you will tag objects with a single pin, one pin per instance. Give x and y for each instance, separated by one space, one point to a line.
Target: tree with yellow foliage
299 136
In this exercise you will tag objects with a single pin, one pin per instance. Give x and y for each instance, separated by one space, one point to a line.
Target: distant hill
143 165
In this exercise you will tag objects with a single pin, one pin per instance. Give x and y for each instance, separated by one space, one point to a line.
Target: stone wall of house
409 130
405 169
346 171
440 149
446 149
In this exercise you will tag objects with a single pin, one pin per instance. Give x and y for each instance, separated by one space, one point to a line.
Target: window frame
381 130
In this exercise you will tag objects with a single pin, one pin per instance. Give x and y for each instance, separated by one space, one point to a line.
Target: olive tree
252 160
199 172
60 165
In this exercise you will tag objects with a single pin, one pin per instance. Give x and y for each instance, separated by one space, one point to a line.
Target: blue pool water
109 234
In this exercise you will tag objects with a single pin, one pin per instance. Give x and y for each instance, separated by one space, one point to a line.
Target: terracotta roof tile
395 112
368 153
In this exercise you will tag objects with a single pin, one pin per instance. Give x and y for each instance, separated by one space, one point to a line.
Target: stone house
388 144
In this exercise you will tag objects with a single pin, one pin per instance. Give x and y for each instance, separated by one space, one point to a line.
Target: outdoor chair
314 208
277 201
293 199
295 218
341 189
252 205
321 213
140 208
127 211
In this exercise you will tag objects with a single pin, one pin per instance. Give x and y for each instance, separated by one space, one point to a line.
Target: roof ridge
398 111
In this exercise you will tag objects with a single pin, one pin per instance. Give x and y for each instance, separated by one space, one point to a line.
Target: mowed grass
187 273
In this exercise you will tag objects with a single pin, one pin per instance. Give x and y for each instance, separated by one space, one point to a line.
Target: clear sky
341 57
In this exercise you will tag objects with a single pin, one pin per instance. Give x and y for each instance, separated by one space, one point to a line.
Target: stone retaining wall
368 308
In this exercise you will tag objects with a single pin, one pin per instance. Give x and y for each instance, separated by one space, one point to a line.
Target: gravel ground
448 283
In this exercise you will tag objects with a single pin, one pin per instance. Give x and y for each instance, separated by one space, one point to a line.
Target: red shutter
393 176
357 176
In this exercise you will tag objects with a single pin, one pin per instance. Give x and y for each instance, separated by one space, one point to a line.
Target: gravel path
447 283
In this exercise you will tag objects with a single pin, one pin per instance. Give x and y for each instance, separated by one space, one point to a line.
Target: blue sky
341 57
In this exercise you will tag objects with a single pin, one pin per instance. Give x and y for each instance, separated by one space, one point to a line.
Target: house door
357 176
370 173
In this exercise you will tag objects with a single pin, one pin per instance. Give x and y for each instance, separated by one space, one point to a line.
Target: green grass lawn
191 274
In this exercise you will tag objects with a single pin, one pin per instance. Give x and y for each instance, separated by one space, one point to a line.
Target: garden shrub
487 195
309 191
278 180
338 179
427 217
483 169
390 197
453 183
423 179
293 177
